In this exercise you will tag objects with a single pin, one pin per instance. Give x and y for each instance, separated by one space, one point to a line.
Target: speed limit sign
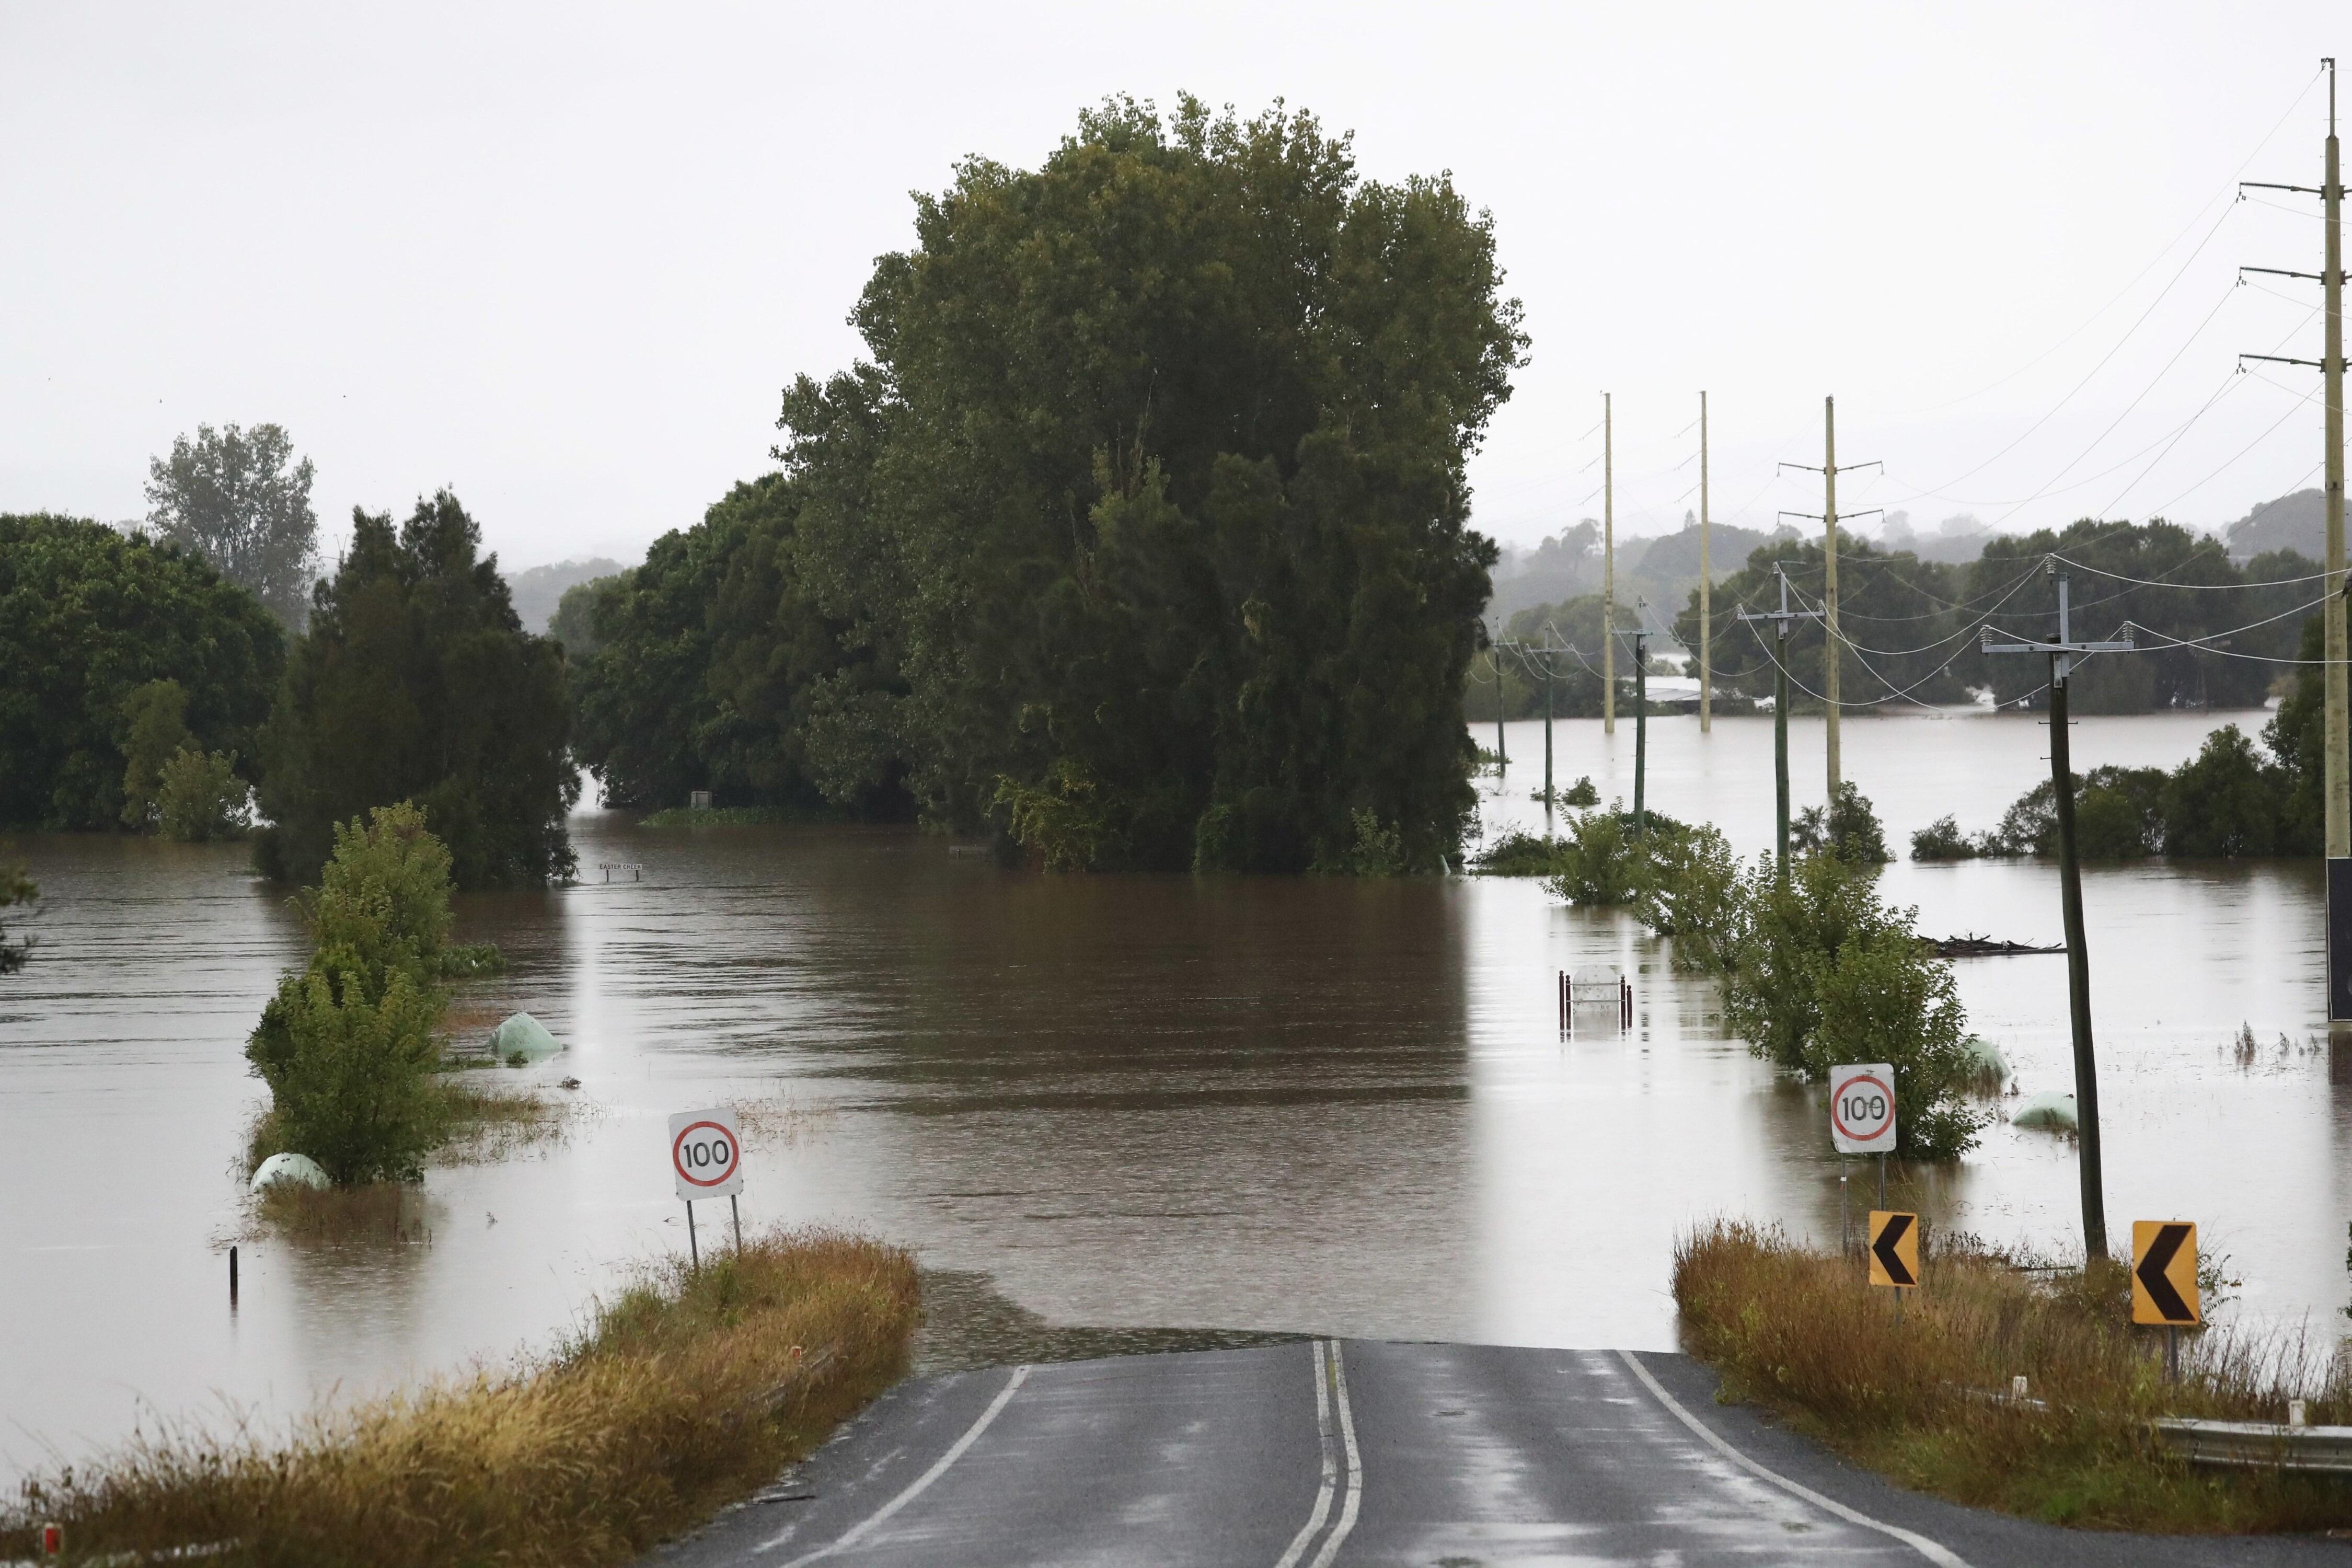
1862 1109
704 1154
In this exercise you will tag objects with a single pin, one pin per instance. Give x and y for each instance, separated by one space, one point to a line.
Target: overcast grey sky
563 257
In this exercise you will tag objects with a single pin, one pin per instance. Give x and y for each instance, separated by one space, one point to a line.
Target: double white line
1343 1469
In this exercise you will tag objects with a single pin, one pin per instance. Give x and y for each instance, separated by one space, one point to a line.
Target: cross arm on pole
2281 359
2283 272
2266 186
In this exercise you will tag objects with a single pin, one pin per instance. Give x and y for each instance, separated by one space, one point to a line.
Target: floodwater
1307 1104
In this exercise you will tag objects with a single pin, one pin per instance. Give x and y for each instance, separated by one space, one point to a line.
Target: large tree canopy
239 499
416 681
1144 533
86 618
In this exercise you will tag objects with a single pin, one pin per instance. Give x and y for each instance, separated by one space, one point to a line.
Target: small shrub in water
1849 829
1943 840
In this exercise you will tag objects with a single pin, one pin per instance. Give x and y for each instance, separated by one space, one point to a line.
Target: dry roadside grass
1804 1333
686 1391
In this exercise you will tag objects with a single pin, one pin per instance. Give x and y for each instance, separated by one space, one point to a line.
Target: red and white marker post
706 1157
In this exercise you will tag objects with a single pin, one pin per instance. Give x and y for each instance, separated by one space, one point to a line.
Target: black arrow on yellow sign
1894 1248
2164 1272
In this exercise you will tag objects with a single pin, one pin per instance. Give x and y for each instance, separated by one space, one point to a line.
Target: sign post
1861 1119
2164 1281
706 1157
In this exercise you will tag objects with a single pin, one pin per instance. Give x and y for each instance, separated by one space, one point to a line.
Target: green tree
416 681
15 888
2227 800
1849 829
738 659
1818 970
199 798
86 617
156 726
239 498
1155 480
347 1045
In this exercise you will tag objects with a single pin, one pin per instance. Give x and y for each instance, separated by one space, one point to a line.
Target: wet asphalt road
1310 1455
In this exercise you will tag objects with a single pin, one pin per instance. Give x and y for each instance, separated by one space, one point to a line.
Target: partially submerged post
2061 654
1780 619
1641 728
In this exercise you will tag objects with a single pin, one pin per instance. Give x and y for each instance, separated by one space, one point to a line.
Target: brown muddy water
1122 1103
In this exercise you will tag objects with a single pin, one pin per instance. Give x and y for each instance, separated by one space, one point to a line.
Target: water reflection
1131 1102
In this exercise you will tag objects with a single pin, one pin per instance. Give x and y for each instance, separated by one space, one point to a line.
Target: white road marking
1322 1508
1355 1477
1942 1556
915 1488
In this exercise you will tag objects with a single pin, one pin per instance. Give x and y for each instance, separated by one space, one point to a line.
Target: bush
2225 801
15 888
200 797
1943 840
1849 829
1818 970
1521 855
352 1078
1580 794
347 1048
2118 815
1599 860
1691 891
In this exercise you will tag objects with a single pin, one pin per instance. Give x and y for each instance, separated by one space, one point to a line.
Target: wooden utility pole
2062 653
1502 758
1780 619
1640 729
2337 775
1829 660
1829 520
1705 588
1608 572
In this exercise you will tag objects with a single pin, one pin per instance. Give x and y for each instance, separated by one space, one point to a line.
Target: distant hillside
2297 522
538 590
1667 572
1664 569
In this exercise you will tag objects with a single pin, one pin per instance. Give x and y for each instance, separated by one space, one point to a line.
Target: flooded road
1311 1105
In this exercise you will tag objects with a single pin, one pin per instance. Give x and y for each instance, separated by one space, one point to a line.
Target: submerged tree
1144 534
87 618
347 1045
239 498
417 682
15 888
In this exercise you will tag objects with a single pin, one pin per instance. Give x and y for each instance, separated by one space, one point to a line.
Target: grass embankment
686 1391
1804 1334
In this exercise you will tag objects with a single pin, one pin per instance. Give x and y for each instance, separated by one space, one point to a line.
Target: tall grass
1915 1395
686 1390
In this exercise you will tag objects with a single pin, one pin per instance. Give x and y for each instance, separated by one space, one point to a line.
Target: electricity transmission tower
1780 619
2063 654
1828 518
2330 365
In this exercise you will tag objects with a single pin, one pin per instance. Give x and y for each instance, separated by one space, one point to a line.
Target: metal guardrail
2257 1445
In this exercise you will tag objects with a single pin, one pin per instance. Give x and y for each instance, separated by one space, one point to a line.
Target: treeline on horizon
1909 626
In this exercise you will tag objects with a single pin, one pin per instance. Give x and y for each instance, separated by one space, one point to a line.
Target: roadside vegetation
1922 1396
685 1392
